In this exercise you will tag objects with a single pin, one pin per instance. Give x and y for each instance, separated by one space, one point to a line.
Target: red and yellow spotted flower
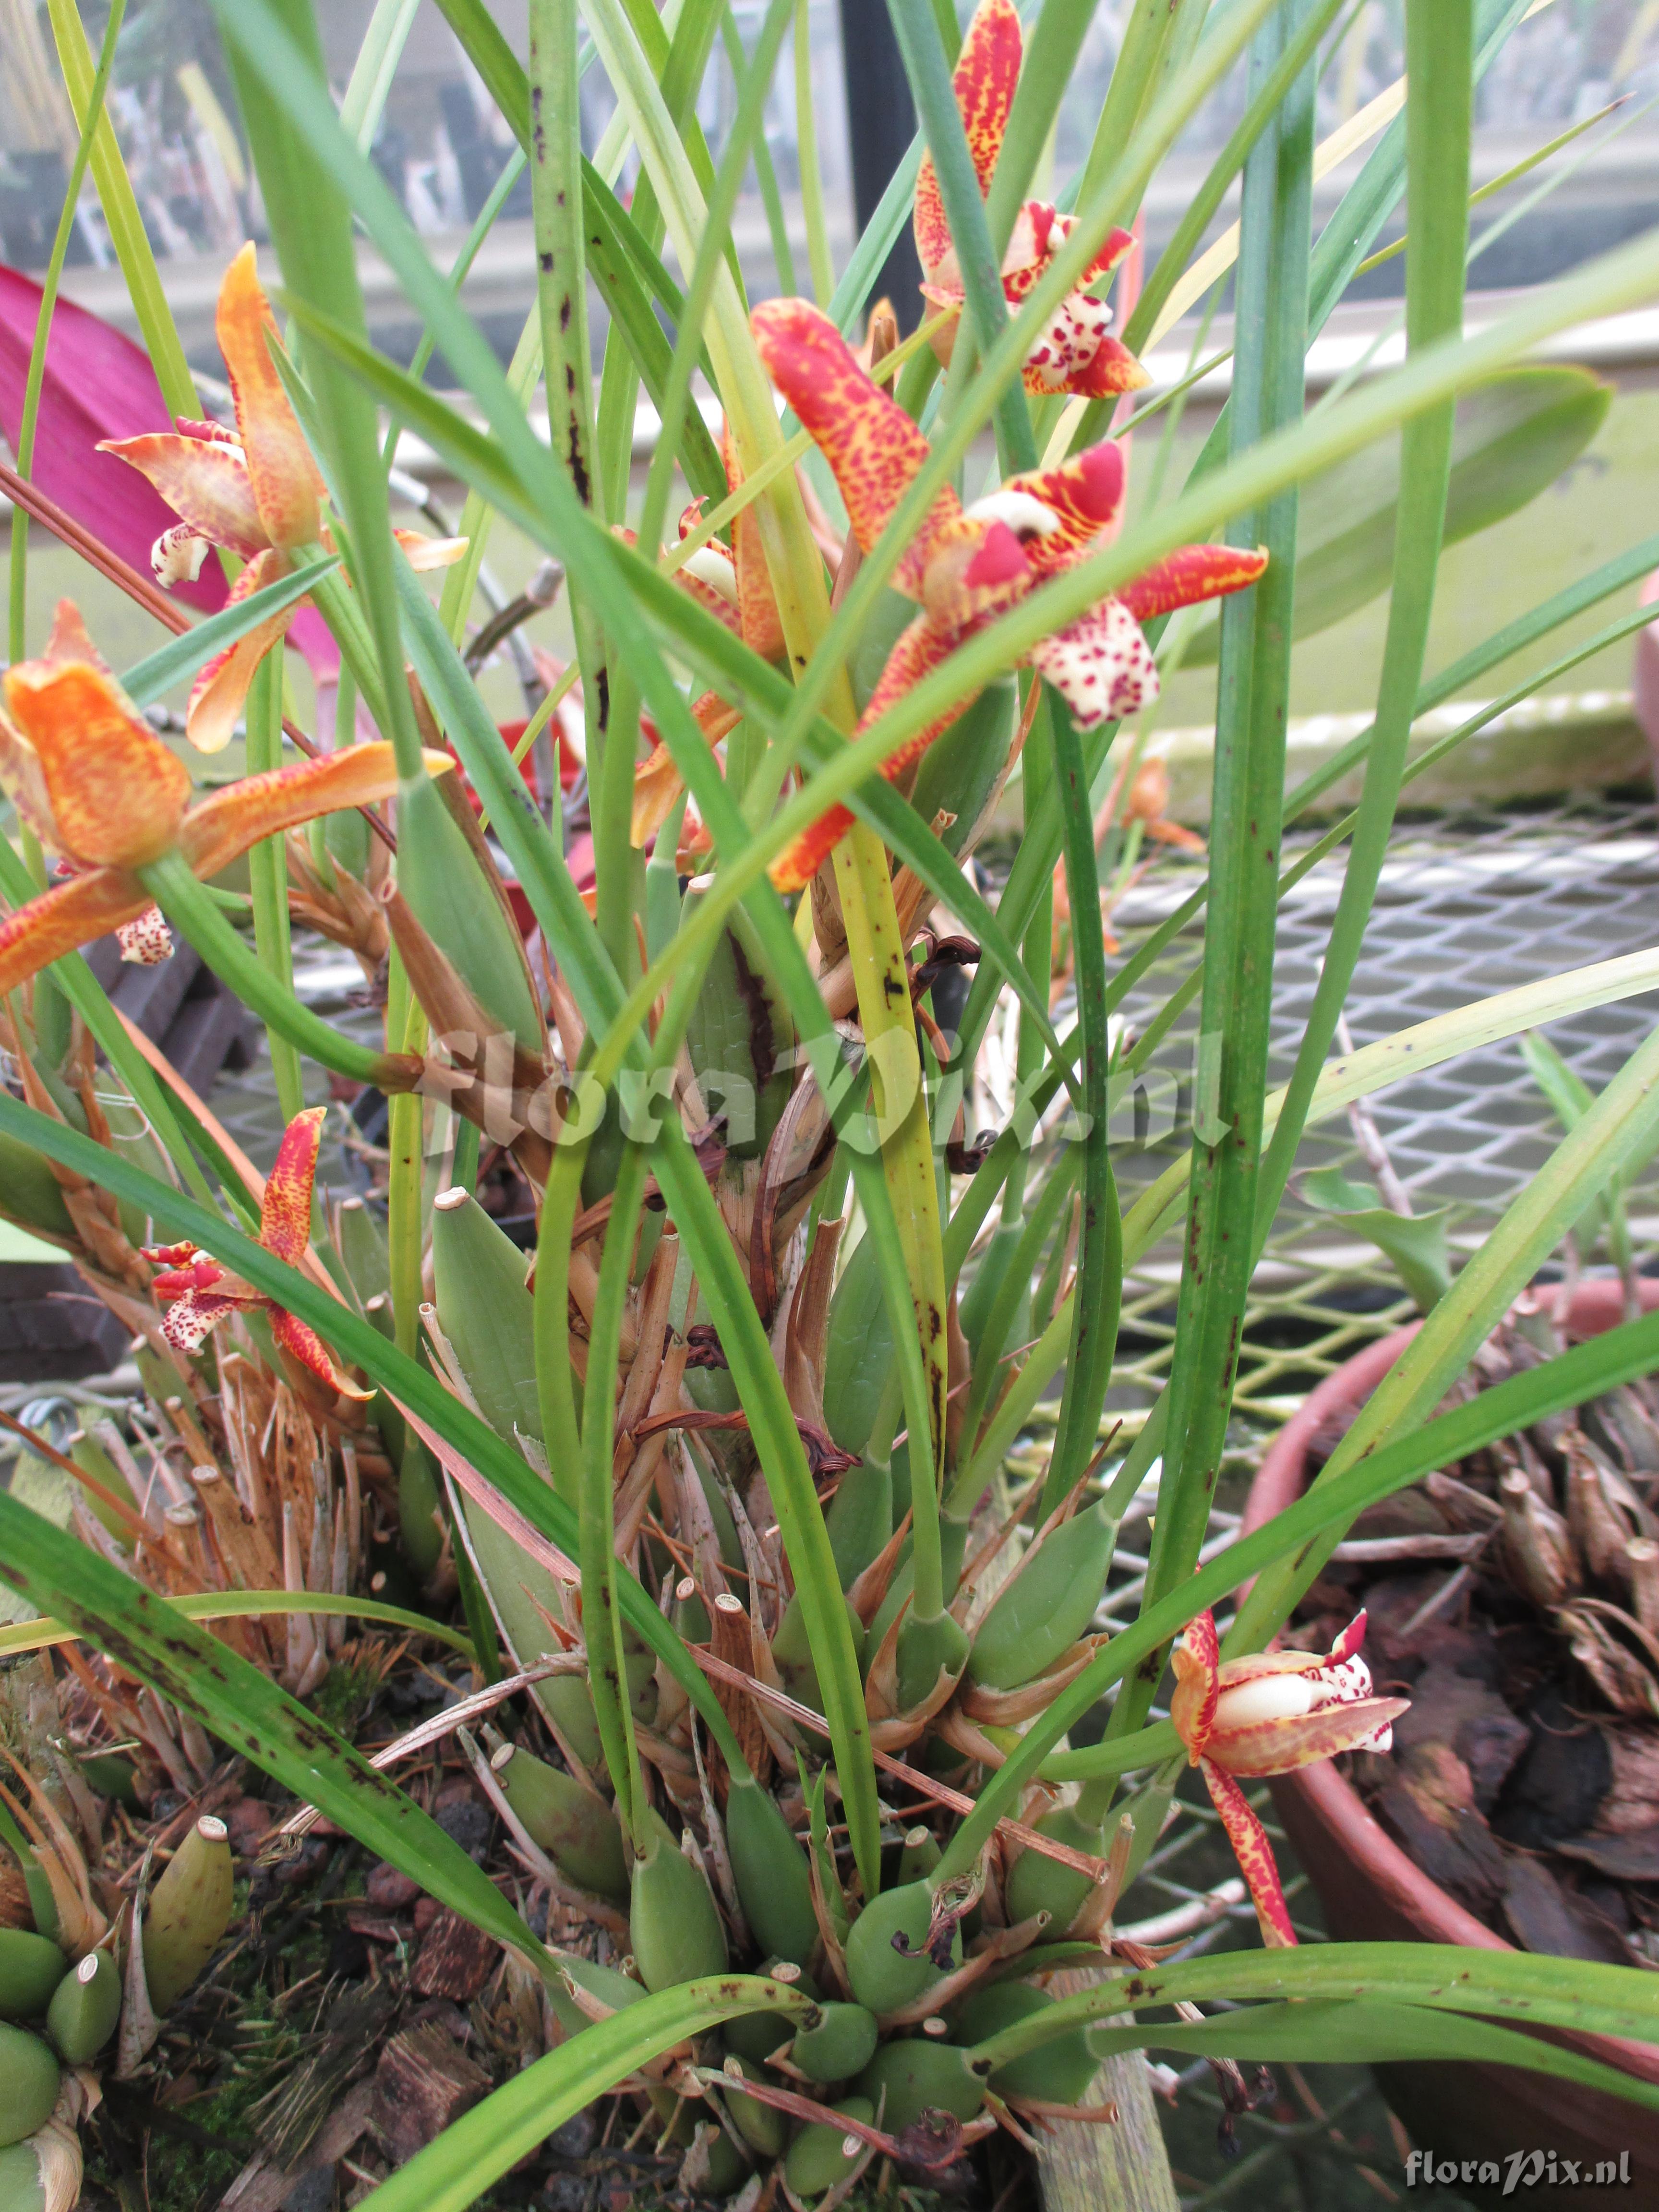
967 567
198 1293
255 491
1074 353
103 794
1269 1715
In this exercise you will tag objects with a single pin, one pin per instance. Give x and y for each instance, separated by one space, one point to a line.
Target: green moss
345 1692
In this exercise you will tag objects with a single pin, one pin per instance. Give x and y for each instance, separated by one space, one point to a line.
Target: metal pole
881 121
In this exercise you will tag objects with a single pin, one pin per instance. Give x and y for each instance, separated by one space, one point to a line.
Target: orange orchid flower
1075 353
734 588
198 1293
967 566
102 793
1271 1714
254 491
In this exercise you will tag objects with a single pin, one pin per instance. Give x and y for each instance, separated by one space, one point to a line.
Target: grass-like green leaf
1249 785
1098 1283
240 1704
75 980
126 226
248 1605
175 662
1579 1994
490 2139
1366 2031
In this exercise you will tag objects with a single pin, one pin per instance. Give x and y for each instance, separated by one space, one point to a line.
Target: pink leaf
97 384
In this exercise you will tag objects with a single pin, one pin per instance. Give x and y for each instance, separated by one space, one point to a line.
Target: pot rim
1596 1304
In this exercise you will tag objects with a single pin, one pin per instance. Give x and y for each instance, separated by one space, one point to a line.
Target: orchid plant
718 1473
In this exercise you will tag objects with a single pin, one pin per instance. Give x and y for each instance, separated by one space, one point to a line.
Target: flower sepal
196 1293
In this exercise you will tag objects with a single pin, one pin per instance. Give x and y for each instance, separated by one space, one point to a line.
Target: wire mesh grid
1470 904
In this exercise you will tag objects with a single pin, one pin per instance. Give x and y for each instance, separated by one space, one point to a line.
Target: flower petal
977 568
1074 353
1196 1660
285 1210
177 555
986 74
1084 495
288 490
1280 1746
98 384
657 784
1255 1855
710 578
1194 573
1111 369
1100 664
426 552
869 441
185 1267
221 689
1257 1664
69 915
188 1320
94 779
760 624
302 1343
147 942
1039 233
170 1255
919 648
1352 1641
228 822
657 780
206 484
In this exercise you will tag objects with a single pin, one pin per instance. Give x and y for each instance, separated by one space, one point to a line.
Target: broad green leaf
1514 436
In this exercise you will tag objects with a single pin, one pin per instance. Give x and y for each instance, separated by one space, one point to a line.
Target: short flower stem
268 875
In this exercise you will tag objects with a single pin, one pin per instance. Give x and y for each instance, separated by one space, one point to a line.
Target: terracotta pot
1371 1891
